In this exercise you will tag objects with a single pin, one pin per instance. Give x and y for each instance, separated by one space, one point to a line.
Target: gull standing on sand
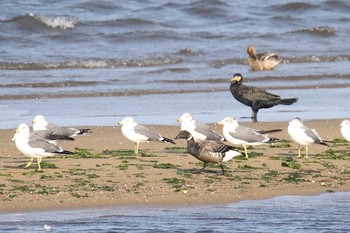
139 133
262 61
303 135
208 151
40 124
34 146
199 131
345 129
242 136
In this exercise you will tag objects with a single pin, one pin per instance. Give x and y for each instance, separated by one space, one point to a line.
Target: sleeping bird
50 130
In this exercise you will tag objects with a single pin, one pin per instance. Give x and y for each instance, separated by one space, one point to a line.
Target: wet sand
162 173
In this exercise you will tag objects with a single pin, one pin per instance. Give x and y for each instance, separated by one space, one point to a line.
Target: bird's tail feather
288 101
55 137
67 152
324 143
84 131
273 140
231 154
269 131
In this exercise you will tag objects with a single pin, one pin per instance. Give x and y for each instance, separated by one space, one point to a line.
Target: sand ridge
162 173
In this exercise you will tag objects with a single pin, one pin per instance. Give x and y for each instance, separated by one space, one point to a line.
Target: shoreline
161 175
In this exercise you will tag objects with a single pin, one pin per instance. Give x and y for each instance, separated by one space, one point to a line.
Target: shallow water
328 212
89 63
94 62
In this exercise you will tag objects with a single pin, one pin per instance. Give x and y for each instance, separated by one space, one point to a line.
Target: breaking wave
31 20
318 31
91 64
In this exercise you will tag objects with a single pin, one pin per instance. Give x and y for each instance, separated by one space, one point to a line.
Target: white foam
61 22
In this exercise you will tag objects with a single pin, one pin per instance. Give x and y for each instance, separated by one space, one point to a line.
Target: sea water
94 62
329 212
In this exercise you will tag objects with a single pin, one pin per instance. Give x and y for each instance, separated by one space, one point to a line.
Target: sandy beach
105 172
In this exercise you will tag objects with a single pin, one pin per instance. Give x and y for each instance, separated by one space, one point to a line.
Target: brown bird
208 151
262 61
254 97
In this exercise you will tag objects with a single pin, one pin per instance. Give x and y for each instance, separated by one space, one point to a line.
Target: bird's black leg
255 109
255 116
201 170
222 169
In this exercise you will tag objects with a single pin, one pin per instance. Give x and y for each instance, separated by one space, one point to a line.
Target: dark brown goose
208 151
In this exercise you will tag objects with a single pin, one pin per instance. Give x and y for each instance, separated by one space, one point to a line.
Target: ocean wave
145 92
136 35
131 22
288 82
190 52
343 6
173 70
294 6
203 8
293 78
318 31
60 22
50 84
31 21
303 59
314 58
226 62
100 94
91 64
121 22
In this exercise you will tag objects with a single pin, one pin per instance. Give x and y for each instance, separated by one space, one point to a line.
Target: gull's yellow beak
179 119
120 123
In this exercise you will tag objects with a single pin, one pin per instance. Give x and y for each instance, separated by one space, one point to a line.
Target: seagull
52 136
254 97
262 61
139 133
50 130
34 146
303 135
208 151
199 131
243 136
345 129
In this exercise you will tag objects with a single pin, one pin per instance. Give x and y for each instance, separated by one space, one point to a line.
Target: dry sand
161 175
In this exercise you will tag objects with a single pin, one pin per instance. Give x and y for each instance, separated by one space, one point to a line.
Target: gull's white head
185 117
345 123
127 121
228 121
38 118
296 121
39 123
22 129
